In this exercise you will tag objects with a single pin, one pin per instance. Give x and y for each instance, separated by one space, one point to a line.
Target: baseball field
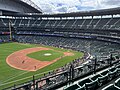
19 62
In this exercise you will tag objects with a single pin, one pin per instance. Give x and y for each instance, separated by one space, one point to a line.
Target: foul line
25 78
14 77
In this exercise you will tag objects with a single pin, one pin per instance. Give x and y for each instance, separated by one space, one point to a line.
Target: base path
20 60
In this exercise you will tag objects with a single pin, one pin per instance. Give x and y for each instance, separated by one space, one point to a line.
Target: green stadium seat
72 87
118 66
23 87
92 85
112 69
104 73
81 83
82 88
111 75
102 80
117 57
111 87
95 77
118 71
117 82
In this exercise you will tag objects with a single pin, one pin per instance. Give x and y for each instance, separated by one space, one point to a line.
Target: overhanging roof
19 6
22 2
112 11
32 4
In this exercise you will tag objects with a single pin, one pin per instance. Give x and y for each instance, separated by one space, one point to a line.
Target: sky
66 6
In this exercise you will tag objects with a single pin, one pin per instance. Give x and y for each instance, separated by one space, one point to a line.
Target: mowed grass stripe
6 72
42 57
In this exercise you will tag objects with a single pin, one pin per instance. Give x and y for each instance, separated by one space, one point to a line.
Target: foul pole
10 30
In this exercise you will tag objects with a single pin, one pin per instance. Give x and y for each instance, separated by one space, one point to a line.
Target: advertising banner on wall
5 33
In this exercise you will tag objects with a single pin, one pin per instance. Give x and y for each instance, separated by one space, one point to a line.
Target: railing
67 74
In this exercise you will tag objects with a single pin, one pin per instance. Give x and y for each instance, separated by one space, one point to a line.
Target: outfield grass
41 55
10 76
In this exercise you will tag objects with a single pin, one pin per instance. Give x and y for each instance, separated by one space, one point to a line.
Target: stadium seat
111 75
81 83
118 71
23 87
72 87
110 87
117 82
112 69
118 66
102 80
96 76
104 73
82 88
92 85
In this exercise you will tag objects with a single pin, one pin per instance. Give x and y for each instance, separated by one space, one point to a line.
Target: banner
6 33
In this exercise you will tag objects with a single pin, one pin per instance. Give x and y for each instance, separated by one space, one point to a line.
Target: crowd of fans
4 38
97 48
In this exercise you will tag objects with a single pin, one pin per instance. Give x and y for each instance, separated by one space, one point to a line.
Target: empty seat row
115 86
111 87
97 81
117 82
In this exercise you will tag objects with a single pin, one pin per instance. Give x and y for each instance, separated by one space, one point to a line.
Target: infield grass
42 57
10 76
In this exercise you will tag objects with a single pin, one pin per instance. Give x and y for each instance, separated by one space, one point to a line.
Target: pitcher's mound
47 54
